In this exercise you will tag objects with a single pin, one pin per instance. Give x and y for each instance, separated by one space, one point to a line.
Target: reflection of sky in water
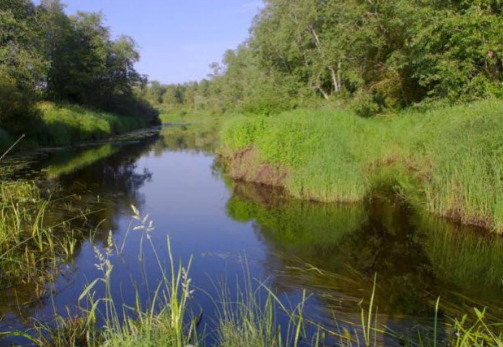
227 228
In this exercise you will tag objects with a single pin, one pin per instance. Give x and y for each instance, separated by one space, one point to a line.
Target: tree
22 65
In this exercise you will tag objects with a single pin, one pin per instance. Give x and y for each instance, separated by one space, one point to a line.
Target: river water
235 232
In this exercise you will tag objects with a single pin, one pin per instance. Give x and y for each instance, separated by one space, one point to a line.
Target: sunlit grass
447 160
68 124
32 241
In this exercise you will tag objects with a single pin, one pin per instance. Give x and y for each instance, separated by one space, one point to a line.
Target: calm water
229 228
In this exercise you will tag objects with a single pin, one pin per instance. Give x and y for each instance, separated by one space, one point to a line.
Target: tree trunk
320 88
334 79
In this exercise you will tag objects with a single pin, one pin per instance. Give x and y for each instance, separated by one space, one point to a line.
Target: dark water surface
228 228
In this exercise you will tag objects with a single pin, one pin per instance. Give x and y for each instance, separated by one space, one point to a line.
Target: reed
252 315
446 160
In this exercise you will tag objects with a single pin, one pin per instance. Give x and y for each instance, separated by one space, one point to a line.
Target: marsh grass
33 239
252 315
446 160
164 321
68 124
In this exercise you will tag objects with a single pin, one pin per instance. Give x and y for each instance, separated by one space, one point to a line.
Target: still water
234 231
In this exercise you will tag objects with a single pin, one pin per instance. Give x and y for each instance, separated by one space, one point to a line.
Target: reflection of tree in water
334 251
110 185
196 139
115 179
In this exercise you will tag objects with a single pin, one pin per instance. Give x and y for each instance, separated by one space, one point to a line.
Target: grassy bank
66 124
447 160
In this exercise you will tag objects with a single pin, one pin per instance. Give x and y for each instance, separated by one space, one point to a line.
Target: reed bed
446 160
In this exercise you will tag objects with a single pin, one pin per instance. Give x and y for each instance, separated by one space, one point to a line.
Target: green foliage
5 140
331 155
375 56
46 54
67 124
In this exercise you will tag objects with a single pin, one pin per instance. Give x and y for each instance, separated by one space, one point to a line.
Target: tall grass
249 316
67 124
447 160
32 239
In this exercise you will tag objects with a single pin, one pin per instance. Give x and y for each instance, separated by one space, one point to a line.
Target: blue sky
178 39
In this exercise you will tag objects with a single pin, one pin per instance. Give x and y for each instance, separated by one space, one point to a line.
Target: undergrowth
67 124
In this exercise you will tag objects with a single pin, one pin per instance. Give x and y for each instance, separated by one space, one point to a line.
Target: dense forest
372 55
47 55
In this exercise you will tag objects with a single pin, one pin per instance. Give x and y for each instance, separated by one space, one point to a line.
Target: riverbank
66 124
330 252
446 160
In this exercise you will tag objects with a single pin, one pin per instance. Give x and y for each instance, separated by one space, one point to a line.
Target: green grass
27 247
447 160
36 234
68 124
245 317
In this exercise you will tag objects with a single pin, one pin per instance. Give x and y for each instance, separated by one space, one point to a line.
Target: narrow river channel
235 232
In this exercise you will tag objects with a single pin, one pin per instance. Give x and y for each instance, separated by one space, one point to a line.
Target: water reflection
334 251
87 190
331 250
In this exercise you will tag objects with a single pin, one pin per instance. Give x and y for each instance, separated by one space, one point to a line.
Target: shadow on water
332 251
335 250
87 189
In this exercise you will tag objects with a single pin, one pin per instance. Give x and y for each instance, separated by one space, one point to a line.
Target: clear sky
178 39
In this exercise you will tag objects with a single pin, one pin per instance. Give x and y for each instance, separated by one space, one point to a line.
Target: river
236 232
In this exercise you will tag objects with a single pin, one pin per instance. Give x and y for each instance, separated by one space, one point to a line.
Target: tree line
374 55
46 54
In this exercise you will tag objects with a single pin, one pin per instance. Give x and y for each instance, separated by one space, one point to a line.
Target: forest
66 69
373 56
